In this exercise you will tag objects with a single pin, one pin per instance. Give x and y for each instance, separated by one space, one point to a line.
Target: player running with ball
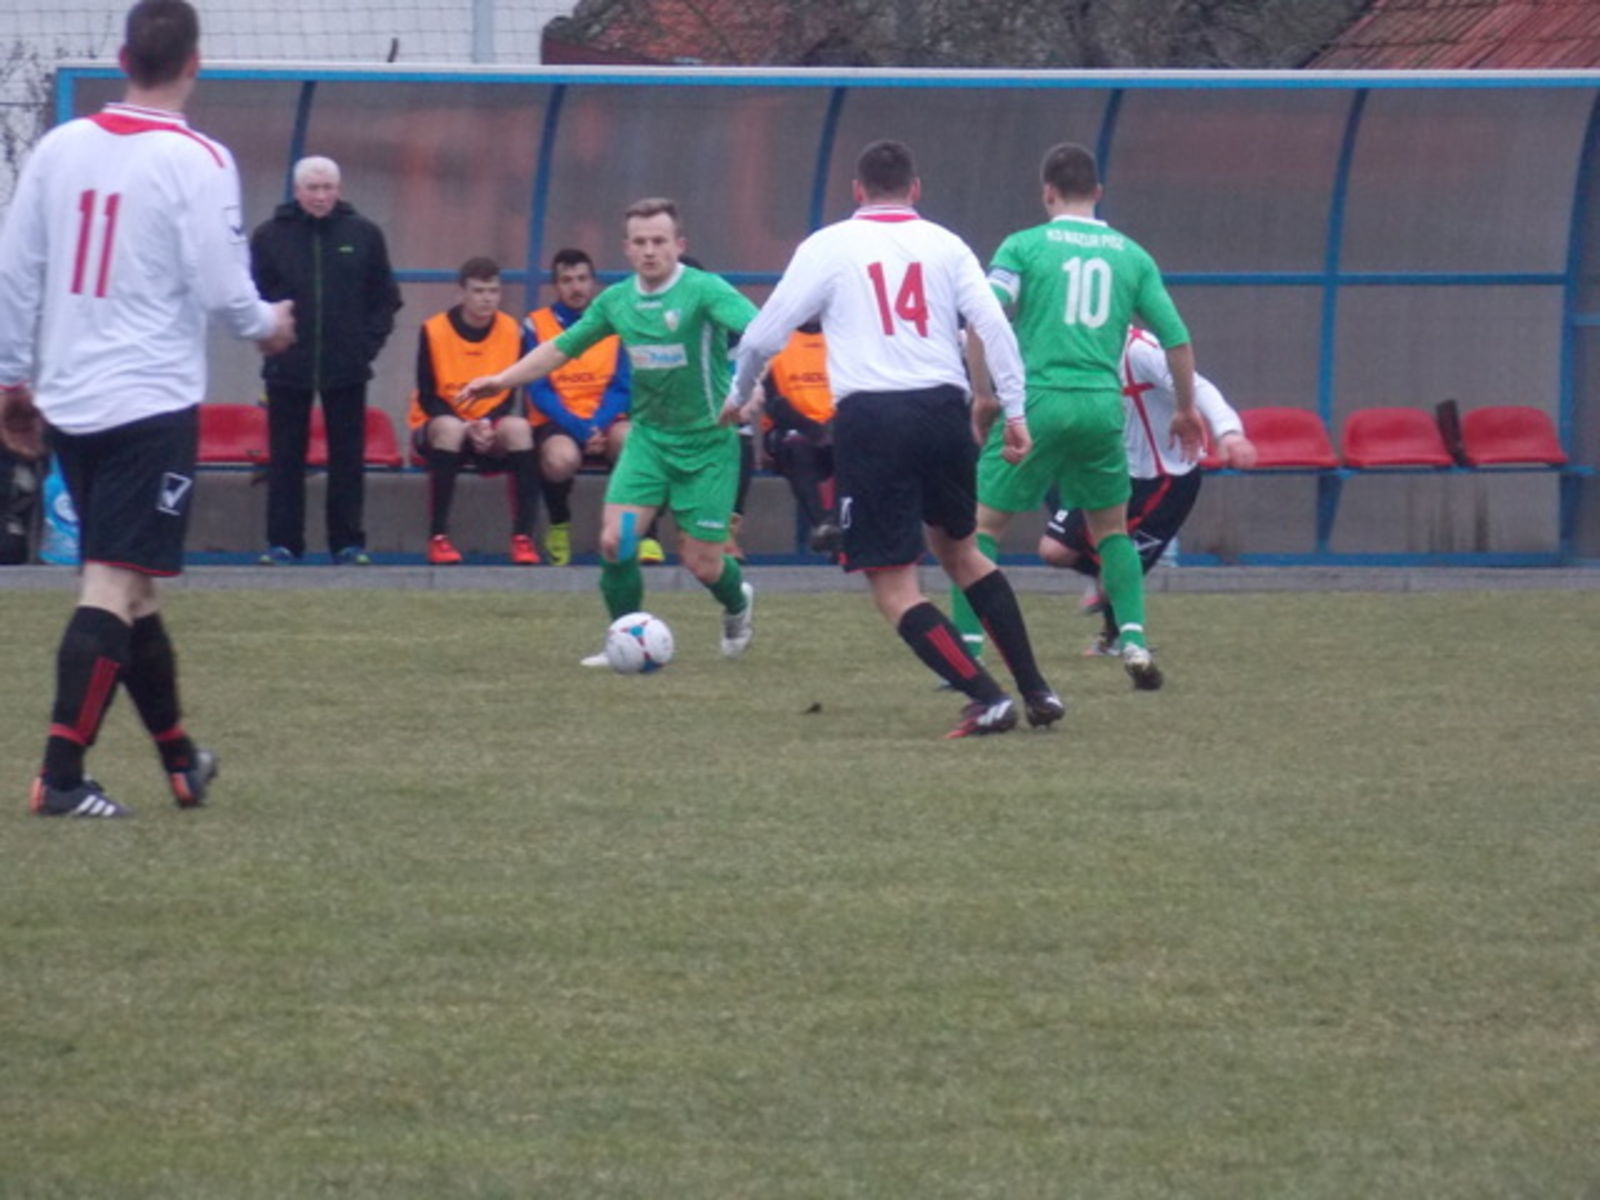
674 321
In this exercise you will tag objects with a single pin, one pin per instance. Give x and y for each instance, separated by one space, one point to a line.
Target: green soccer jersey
1076 285
676 341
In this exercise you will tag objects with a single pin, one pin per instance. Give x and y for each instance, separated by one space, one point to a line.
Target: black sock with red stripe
89 662
996 606
151 678
938 643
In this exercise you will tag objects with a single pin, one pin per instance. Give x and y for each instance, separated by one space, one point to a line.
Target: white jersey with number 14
891 290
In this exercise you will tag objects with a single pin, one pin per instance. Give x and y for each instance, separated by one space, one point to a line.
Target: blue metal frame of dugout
1332 279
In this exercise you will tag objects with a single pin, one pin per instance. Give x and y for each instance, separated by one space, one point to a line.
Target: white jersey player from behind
891 290
1165 483
125 233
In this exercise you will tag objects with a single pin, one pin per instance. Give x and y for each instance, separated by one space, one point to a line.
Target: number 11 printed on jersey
86 207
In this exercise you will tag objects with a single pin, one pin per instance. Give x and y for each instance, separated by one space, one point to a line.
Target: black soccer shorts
902 460
1156 511
133 488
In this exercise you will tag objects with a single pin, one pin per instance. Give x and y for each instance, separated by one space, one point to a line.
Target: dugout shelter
1337 241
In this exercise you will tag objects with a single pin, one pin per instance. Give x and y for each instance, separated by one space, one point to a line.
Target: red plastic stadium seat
234 434
383 450
1394 437
1510 433
1288 437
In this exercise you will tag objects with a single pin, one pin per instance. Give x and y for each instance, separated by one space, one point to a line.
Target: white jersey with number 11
125 232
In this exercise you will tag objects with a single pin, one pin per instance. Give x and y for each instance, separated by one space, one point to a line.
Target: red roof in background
1460 34
721 32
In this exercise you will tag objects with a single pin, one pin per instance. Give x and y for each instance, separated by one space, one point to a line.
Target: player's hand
1238 451
595 446
281 335
1188 434
734 413
480 434
985 408
1018 441
21 425
473 389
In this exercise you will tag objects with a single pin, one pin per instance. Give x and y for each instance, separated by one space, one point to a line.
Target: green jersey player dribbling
674 323
1075 285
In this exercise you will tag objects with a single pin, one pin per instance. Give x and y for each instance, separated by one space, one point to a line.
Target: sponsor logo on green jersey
658 358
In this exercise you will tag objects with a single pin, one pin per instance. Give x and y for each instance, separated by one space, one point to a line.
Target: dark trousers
288 435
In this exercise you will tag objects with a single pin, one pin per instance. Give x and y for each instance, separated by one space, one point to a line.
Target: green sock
622 586
1122 578
729 587
961 614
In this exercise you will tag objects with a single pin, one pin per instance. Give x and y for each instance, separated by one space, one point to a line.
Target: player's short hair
1071 170
570 257
315 164
481 268
159 38
886 168
654 206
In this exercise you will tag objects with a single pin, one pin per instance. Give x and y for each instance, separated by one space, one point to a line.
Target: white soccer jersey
125 232
1151 401
890 289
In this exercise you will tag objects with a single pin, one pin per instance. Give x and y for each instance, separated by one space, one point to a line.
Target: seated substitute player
1076 285
799 434
486 433
581 408
891 290
674 322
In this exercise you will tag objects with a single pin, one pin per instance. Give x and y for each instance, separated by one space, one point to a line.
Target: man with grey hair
332 262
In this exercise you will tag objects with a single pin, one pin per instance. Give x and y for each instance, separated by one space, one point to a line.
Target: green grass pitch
1321 919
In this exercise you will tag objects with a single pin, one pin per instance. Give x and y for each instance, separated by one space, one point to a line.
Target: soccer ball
638 643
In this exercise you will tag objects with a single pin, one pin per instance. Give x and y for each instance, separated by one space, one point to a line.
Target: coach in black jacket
333 263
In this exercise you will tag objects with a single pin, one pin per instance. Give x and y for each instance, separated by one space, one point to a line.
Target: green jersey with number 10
1076 285
676 340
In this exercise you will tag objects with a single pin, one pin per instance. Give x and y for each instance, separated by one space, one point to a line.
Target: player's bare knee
446 433
1057 555
514 434
704 559
559 460
963 561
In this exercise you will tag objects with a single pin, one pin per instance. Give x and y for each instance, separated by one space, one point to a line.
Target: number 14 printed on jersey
910 301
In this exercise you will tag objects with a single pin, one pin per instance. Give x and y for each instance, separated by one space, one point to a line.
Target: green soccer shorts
695 475
1077 446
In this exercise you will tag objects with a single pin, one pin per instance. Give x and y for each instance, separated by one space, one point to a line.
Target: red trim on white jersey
124 120
1151 401
1134 391
886 213
115 253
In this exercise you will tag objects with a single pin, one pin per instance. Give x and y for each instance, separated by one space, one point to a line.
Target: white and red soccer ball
638 643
